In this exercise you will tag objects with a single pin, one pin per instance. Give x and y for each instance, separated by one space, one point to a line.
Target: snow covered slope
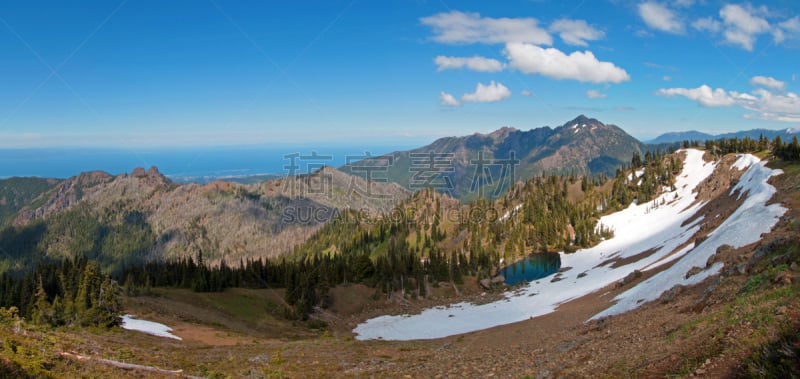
656 228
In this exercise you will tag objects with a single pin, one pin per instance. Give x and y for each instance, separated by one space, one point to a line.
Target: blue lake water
535 266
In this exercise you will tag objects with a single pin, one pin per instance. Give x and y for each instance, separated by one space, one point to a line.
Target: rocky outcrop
66 195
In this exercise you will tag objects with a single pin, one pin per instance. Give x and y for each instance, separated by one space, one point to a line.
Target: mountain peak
502 133
152 175
583 145
583 120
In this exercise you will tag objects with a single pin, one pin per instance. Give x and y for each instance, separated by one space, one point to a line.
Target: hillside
136 217
647 237
460 166
16 193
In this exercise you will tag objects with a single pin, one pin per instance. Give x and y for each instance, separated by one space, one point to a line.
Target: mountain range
142 215
694 135
479 163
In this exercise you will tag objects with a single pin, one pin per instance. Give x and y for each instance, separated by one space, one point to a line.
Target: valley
702 277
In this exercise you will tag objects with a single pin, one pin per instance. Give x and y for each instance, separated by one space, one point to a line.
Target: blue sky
197 73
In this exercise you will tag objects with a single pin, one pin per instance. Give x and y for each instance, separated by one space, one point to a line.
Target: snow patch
149 327
636 174
743 227
511 212
638 228
744 161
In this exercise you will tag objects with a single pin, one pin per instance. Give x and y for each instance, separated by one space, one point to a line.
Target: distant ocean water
182 163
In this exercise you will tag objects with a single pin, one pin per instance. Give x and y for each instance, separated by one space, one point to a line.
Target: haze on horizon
144 73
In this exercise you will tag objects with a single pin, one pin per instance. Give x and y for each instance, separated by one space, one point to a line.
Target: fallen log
125 366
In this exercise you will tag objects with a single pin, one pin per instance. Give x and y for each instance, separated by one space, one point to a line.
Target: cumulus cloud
552 63
595 94
456 27
768 82
448 100
704 95
742 25
493 92
707 24
575 32
771 106
764 104
659 17
475 63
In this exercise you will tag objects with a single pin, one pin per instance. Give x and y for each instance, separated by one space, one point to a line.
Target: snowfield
653 226
149 327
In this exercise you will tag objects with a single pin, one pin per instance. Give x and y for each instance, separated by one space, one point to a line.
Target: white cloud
742 26
526 93
550 62
768 82
707 23
575 32
595 94
447 99
703 95
456 27
765 104
666 78
490 93
658 16
791 25
772 106
475 63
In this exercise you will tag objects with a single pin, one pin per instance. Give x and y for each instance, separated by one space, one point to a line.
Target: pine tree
57 312
109 303
42 310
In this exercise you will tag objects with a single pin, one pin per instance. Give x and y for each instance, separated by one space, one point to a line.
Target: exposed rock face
138 172
65 195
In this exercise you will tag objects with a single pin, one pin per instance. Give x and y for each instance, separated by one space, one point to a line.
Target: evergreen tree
41 309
